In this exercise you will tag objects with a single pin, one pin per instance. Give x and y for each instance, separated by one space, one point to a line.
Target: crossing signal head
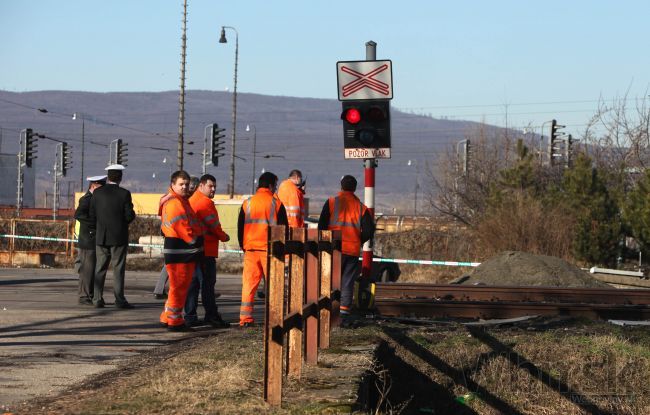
66 163
122 152
366 124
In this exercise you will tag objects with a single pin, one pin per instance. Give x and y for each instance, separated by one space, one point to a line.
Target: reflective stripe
245 313
335 221
209 217
293 215
182 251
247 304
271 221
173 309
174 220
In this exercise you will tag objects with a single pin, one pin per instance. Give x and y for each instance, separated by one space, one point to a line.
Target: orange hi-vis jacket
260 211
207 213
346 211
294 202
183 232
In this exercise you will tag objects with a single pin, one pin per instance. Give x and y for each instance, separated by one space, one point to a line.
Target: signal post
365 90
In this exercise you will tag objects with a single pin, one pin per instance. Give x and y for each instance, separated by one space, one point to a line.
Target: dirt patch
524 269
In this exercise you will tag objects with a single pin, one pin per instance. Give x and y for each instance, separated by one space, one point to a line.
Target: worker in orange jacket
292 195
205 276
256 214
346 213
183 248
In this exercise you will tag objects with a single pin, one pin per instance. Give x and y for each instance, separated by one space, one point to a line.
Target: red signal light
352 115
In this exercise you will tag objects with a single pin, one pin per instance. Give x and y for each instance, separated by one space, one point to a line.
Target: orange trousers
254 271
180 277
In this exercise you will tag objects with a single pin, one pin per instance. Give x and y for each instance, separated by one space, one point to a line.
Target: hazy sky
474 60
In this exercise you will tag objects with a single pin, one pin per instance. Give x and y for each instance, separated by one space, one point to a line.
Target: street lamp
83 141
248 128
234 107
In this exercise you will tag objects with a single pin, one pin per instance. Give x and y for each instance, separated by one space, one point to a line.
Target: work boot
180 329
217 322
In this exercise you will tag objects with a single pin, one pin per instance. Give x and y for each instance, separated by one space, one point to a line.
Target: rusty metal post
296 301
311 294
336 279
273 318
325 259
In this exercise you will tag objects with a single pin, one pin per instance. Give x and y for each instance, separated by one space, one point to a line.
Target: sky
516 62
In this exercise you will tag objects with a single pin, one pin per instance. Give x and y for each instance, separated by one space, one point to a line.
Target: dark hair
114 176
206 177
267 180
348 183
179 174
295 172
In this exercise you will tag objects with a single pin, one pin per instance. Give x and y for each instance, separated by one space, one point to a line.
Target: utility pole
181 99
369 190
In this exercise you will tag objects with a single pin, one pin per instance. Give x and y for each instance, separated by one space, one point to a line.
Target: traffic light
122 152
66 158
366 124
216 143
29 147
554 142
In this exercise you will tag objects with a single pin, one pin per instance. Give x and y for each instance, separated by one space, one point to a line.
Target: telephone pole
181 99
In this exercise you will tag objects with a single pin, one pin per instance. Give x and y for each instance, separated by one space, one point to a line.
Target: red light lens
352 115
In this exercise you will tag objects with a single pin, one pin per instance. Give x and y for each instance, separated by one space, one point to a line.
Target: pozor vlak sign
365 89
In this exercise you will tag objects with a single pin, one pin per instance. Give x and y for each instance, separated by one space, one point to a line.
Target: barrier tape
239 251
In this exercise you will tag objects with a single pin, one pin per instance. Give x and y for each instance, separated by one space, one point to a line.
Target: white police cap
96 178
115 167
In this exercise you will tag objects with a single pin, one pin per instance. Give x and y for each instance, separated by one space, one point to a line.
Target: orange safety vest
183 232
260 211
206 212
346 211
294 203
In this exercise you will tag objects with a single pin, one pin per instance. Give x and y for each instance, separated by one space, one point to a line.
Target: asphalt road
48 342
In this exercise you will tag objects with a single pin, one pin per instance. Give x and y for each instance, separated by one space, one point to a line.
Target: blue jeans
204 280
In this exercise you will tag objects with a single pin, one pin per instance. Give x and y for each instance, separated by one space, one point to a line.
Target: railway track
492 302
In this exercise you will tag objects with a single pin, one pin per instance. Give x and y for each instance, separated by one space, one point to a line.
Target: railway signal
366 129
554 142
29 147
216 143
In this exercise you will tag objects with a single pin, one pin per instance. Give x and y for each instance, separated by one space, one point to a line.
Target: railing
310 295
34 237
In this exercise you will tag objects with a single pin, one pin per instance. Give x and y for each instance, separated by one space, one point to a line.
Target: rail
487 302
310 294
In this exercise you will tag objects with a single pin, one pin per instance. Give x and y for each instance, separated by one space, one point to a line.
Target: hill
291 133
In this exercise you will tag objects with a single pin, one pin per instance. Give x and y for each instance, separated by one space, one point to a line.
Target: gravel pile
524 269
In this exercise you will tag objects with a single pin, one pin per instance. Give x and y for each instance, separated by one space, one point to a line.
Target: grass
578 367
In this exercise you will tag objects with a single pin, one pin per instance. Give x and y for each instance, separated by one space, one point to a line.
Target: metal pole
205 147
19 194
254 154
56 182
83 141
181 99
234 117
369 191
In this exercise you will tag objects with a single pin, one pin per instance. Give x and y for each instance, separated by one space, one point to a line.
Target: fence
302 308
47 237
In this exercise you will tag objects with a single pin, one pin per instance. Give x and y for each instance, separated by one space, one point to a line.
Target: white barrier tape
239 251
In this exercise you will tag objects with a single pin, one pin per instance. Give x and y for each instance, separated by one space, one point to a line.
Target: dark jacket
86 226
112 210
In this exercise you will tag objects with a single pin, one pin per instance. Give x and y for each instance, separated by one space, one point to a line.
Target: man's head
296 177
208 185
114 173
348 183
115 176
194 183
180 183
267 180
95 182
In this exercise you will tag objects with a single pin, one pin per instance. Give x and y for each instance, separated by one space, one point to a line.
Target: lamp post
83 141
248 128
222 39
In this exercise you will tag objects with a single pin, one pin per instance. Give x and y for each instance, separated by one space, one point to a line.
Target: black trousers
350 272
